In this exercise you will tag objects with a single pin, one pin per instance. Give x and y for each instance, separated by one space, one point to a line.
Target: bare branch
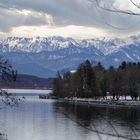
115 10
98 6
135 4
122 28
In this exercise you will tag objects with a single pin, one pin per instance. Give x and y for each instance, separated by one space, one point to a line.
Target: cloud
77 32
64 12
32 14
13 17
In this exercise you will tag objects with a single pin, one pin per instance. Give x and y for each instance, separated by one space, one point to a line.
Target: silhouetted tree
90 81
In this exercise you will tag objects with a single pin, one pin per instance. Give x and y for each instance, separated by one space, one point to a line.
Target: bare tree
7 74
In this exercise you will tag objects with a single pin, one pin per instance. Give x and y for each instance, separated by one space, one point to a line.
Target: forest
95 81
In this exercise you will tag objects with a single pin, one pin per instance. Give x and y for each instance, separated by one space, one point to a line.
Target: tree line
94 81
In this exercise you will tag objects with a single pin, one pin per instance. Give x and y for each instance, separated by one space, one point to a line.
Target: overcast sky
69 18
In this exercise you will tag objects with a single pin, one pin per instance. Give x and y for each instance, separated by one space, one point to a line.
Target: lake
35 119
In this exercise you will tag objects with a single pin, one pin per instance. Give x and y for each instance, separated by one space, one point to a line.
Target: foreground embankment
103 103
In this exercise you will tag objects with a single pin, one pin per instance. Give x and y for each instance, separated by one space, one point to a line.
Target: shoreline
104 103
28 90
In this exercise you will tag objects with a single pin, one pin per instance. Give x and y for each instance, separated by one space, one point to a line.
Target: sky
80 19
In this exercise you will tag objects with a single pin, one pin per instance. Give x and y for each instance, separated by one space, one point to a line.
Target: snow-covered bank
28 91
104 103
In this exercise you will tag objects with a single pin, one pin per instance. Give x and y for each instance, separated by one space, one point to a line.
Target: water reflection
50 120
123 123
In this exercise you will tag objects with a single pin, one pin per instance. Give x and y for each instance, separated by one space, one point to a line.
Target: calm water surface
37 119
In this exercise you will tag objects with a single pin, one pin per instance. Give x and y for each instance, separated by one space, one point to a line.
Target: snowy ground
28 91
106 102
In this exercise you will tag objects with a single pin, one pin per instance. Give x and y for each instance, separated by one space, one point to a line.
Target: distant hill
29 82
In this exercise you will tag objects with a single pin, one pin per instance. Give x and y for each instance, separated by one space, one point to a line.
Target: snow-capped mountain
36 45
44 56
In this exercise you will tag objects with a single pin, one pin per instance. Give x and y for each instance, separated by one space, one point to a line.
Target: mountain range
43 57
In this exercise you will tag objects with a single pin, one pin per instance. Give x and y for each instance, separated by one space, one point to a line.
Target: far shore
103 103
29 91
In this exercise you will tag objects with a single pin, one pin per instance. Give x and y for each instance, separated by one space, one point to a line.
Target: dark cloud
14 17
65 12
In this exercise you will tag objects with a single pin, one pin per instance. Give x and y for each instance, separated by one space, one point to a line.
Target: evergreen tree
104 86
94 81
